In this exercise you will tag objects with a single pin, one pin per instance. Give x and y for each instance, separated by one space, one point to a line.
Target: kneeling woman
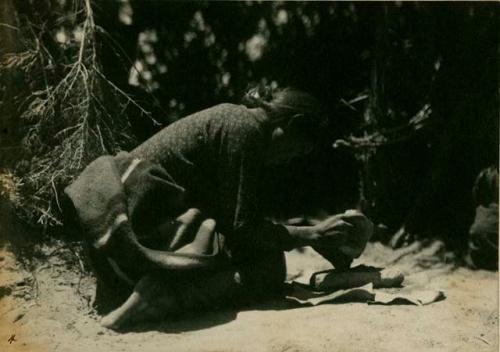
176 224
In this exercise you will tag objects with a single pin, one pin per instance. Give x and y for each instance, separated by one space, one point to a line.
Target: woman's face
287 144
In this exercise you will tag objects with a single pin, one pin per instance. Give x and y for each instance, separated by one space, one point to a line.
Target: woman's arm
302 235
241 150
328 234
349 232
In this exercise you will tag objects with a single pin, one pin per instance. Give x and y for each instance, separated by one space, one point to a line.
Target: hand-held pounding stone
362 232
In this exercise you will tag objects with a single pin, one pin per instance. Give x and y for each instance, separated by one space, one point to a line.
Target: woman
216 156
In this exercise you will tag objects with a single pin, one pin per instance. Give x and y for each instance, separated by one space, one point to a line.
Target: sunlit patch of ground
49 306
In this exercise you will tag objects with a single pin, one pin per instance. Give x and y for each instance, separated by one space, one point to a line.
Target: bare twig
125 95
6 25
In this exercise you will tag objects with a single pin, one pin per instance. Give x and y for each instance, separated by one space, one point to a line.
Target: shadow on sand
195 321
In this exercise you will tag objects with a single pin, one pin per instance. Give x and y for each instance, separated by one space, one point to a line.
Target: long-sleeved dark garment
217 155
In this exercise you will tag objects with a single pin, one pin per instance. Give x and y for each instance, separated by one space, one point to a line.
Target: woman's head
295 117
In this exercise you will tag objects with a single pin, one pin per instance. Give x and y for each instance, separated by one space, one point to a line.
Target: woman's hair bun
258 96
281 104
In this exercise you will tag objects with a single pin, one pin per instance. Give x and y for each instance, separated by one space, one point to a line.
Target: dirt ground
48 308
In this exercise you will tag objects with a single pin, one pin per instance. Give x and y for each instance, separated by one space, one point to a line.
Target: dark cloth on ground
359 284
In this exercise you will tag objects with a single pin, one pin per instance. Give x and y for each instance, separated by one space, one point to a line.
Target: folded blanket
112 187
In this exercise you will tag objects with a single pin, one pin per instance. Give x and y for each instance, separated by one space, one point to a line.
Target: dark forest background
411 90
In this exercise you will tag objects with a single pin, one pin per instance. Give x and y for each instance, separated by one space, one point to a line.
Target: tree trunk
10 85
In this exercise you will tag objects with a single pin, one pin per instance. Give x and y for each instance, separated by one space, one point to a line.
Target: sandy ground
48 309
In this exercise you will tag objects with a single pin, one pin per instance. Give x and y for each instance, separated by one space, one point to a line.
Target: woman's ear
277 133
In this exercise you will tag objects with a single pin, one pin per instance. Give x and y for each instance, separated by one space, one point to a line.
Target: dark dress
217 156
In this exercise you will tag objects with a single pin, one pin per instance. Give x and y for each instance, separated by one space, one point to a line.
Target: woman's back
215 154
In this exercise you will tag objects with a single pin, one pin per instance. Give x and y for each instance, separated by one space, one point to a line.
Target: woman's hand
349 232
334 229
